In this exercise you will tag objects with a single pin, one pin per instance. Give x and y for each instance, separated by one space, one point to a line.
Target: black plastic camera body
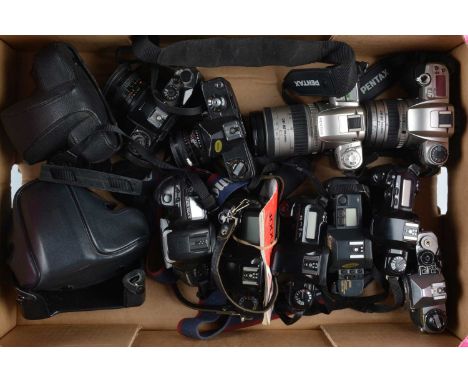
349 243
187 235
426 288
147 116
301 263
220 134
241 267
394 226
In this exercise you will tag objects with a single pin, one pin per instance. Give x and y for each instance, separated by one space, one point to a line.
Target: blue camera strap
193 327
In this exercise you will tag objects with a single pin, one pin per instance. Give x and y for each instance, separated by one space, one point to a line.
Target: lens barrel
186 147
386 124
123 89
281 132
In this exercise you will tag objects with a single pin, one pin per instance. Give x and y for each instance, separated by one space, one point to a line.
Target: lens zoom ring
393 124
299 118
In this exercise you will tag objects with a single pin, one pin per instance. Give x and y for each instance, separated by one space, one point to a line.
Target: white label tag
442 191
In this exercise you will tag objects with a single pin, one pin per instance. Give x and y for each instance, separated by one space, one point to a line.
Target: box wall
7 91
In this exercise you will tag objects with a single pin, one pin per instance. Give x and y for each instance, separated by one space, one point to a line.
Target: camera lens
187 147
284 131
386 124
124 89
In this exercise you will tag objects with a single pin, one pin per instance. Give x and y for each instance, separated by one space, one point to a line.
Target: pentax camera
220 134
394 226
187 235
301 265
287 131
350 247
145 115
426 289
423 123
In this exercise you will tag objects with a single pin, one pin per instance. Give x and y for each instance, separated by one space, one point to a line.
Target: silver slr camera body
345 126
426 289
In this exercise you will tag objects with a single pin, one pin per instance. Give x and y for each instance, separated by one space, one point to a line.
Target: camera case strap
98 247
336 80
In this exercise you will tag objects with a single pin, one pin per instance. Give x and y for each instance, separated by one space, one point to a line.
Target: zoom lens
387 125
283 131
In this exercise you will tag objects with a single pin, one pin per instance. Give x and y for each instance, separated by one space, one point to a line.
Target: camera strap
369 304
193 327
83 177
336 80
212 310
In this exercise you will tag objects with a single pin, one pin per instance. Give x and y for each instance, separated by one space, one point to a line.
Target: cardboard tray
154 323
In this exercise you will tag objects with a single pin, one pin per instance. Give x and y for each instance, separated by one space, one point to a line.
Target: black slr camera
241 266
221 133
145 114
187 235
394 226
349 243
426 289
301 264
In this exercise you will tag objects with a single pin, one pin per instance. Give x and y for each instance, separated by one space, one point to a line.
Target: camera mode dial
302 298
398 264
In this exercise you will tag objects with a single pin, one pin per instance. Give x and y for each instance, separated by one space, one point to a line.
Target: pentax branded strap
333 81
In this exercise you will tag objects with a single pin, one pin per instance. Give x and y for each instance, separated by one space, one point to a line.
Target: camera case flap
66 109
68 238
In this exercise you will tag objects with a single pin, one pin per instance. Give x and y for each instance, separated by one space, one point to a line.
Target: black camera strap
76 176
83 177
336 80
369 304
207 200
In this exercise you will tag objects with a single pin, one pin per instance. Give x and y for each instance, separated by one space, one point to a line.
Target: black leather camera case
69 238
70 245
65 111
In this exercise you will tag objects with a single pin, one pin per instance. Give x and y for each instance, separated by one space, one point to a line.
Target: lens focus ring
299 119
